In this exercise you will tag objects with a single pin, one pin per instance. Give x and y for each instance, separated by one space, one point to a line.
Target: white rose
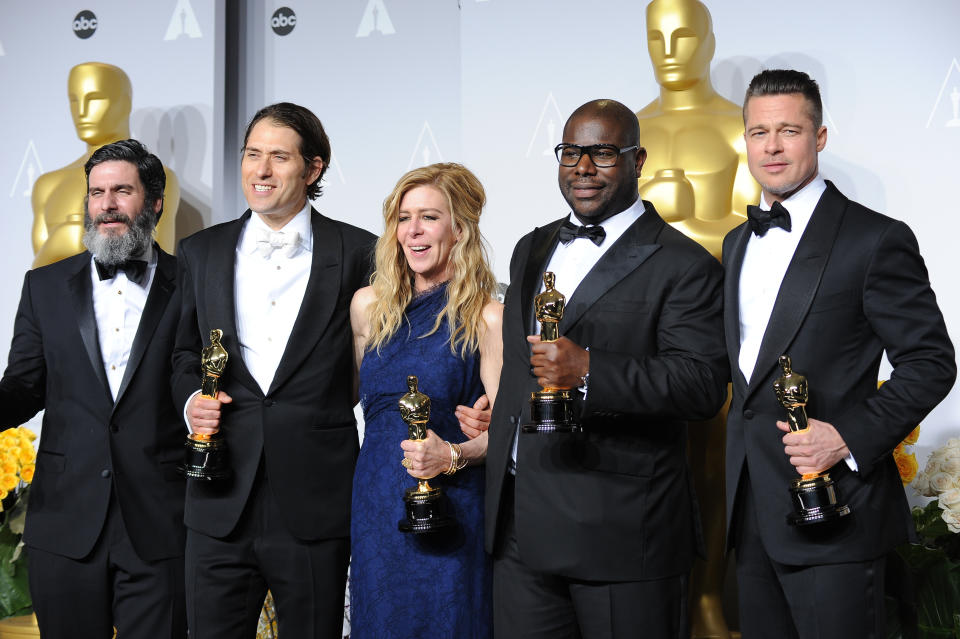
950 500
922 485
951 465
952 518
941 482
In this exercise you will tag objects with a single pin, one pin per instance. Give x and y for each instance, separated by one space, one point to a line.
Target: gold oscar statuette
426 508
206 455
551 409
815 496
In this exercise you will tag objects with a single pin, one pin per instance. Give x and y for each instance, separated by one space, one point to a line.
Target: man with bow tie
91 346
278 283
820 278
593 533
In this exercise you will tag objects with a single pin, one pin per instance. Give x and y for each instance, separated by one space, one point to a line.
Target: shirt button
273 302
748 414
268 403
116 330
119 292
278 267
112 367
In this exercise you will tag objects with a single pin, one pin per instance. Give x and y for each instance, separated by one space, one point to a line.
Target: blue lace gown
407 585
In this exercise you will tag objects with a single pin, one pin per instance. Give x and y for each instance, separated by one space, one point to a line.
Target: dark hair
614 110
313 139
785 82
148 166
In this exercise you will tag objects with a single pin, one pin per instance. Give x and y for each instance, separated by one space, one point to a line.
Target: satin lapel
81 290
630 250
731 301
219 284
319 300
544 241
800 283
160 292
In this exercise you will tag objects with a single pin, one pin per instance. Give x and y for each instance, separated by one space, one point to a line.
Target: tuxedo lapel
160 292
800 283
630 250
81 290
544 241
220 279
319 299
733 262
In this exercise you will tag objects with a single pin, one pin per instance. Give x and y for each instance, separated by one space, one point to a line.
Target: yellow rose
912 438
8 467
906 464
9 481
26 473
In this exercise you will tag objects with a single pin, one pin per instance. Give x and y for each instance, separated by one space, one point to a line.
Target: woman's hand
427 458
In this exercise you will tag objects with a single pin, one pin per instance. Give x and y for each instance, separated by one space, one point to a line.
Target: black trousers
228 578
831 601
530 604
110 587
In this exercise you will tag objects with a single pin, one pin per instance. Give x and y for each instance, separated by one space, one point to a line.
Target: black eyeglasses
602 155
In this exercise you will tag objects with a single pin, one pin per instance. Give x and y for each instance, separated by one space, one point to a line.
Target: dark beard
114 249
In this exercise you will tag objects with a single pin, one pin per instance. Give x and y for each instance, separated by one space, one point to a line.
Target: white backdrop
400 83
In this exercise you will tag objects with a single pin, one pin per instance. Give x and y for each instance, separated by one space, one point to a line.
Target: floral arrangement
17 462
941 479
931 568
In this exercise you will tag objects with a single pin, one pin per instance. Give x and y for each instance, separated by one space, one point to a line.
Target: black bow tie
570 231
136 270
761 221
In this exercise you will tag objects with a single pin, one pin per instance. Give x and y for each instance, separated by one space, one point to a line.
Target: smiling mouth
417 250
262 188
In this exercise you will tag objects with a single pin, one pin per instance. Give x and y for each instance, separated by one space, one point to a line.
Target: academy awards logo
30 169
426 150
283 21
375 20
946 113
85 24
183 22
546 134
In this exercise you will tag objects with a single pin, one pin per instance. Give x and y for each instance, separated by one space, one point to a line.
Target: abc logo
283 21
84 24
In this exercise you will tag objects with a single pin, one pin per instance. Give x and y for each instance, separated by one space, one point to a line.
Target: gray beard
114 249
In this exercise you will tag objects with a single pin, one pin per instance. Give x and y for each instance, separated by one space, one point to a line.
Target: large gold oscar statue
100 102
697 177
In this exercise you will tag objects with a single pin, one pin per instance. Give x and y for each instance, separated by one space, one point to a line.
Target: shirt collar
615 225
300 223
801 204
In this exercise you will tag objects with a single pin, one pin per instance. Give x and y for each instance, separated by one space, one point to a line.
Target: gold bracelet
461 460
454 457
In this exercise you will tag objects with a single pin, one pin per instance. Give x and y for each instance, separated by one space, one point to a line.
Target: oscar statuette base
551 411
815 501
205 458
426 510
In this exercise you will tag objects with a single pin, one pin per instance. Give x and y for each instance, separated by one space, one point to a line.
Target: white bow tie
268 241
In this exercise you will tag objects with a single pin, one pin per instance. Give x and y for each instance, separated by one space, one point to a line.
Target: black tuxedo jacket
303 428
90 444
856 285
616 502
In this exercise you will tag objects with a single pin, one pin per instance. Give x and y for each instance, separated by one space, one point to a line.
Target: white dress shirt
117 306
268 294
765 264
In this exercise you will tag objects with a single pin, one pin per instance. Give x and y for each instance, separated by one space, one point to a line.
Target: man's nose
585 164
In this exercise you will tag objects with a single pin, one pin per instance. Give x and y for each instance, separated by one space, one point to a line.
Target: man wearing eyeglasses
593 533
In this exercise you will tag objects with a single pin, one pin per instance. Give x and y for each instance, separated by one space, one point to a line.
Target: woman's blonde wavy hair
472 284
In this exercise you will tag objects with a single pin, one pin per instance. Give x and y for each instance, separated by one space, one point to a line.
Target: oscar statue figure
206 456
551 409
425 506
814 495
